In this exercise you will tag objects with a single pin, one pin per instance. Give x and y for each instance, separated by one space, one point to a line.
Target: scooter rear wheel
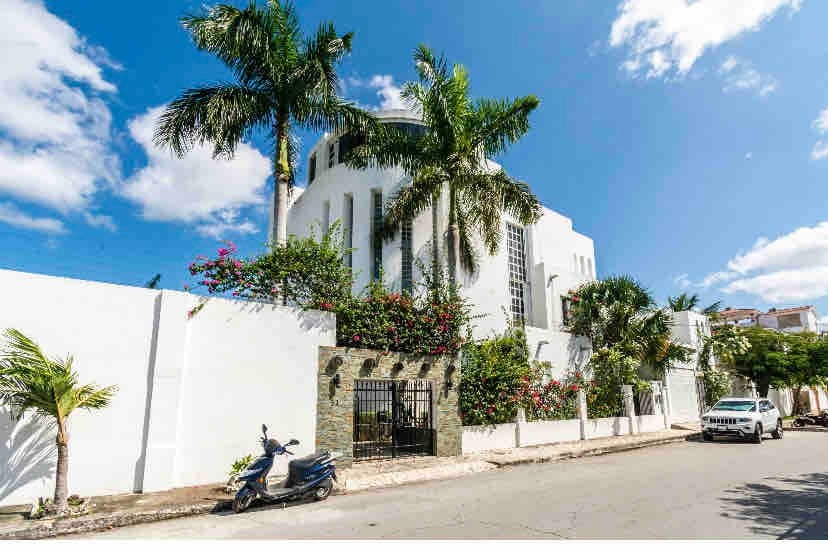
323 490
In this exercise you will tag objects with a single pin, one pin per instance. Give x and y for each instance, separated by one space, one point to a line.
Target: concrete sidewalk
128 509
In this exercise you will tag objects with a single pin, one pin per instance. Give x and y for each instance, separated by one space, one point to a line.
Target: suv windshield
735 406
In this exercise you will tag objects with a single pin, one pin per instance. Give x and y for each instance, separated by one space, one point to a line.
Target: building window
312 168
566 308
326 217
348 143
583 266
331 154
516 248
590 272
407 269
376 236
348 220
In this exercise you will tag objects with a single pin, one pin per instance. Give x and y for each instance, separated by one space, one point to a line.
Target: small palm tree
683 302
451 157
31 381
283 82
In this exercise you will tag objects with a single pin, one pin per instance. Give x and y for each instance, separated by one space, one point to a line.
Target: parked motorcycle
308 476
820 419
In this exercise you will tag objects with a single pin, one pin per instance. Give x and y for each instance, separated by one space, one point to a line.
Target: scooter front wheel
243 499
323 490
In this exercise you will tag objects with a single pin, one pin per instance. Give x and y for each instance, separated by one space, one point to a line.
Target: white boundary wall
192 393
480 438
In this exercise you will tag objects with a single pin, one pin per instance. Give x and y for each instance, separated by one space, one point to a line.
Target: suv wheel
757 436
778 433
707 437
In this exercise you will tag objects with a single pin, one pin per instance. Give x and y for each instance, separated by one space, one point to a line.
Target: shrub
552 400
492 375
610 369
716 385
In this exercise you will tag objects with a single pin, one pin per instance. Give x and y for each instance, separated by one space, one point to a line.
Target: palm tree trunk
282 180
453 241
61 482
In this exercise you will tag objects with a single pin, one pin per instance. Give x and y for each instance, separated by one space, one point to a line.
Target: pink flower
223 252
356 337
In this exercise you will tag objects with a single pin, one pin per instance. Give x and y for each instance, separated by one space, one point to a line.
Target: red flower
356 337
555 383
573 388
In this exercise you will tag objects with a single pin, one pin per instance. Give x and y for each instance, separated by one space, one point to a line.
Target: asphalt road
690 490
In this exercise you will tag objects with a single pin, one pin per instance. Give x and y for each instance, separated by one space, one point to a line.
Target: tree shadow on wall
784 508
26 454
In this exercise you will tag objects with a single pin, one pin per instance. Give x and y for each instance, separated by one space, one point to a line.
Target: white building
528 279
792 320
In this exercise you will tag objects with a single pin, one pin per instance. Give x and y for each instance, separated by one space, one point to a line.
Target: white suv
742 417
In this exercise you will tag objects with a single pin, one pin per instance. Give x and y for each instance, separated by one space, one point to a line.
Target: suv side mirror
292 442
264 430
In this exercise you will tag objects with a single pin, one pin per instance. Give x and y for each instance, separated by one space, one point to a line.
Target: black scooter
310 475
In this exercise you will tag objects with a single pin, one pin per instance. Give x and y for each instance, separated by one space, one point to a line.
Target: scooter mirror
293 442
264 430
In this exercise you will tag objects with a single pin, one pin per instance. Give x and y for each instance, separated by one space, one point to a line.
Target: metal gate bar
392 418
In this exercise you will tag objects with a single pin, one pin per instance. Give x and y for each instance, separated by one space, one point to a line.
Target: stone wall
335 405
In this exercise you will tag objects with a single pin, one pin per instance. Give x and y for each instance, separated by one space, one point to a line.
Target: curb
81 525
63 527
809 429
507 462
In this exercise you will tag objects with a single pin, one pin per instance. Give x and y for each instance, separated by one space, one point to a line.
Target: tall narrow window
348 221
566 308
376 236
516 248
312 168
407 269
326 217
590 271
583 266
331 154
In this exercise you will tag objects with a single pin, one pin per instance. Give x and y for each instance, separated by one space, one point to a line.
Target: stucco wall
192 393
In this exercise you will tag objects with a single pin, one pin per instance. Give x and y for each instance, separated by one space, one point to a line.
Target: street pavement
688 490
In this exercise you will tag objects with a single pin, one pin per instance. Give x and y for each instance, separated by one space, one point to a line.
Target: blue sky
686 138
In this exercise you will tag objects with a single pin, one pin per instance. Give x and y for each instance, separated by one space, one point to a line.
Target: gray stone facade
335 405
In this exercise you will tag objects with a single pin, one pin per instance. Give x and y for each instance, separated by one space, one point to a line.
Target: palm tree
683 302
31 381
450 157
618 312
283 82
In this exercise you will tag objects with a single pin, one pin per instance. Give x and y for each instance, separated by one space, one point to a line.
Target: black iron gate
392 418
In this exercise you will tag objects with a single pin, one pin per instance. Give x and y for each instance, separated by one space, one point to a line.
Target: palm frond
498 123
222 114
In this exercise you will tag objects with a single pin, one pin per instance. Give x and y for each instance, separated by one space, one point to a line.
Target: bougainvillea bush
311 274
303 272
497 378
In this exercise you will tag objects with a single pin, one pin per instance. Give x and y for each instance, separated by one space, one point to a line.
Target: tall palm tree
283 82
450 157
29 380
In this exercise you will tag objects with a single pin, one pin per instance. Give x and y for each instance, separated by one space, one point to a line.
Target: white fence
192 392
480 438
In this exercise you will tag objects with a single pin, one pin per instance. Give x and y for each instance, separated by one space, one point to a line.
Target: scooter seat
309 461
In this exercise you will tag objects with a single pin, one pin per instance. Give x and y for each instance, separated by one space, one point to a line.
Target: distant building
790 320
739 317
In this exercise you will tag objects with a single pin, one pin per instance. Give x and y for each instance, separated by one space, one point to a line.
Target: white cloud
682 281
820 149
11 215
54 126
103 221
197 189
666 37
387 91
748 155
790 267
739 75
